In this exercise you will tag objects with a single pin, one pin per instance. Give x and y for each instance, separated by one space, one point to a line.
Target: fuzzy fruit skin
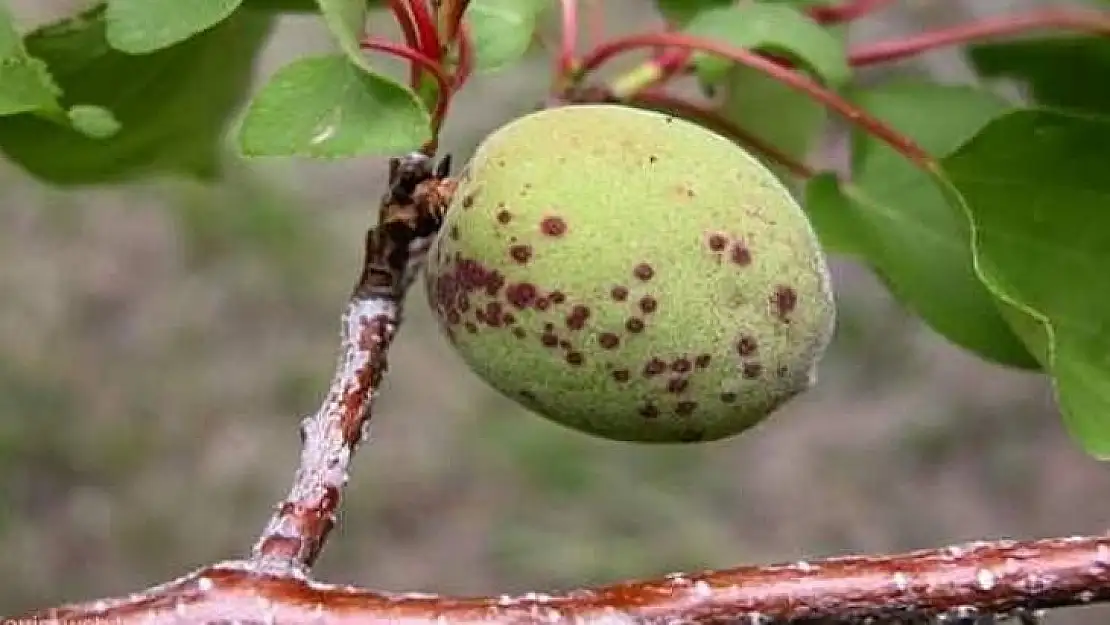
630 275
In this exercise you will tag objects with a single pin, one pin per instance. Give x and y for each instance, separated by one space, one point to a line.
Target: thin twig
1086 20
790 77
961 583
408 218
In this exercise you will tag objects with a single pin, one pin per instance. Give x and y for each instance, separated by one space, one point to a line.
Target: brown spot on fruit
608 340
702 361
471 327
634 325
621 375
453 317
468 200
728 398
648 304
575 358
653 159
619 293
553 226
494 282
557 297
565 344
677 385
680 365
576 320
741 255
521 253
643 271
543 303
521 295
717 242
654 367
519 333
649 411
752 370
746 346
549 340
454 233
493 314
784 300
508 318
504 216
686 408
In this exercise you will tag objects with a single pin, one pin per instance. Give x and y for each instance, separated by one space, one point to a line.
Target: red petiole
408 29
566 63
785 75
1092 21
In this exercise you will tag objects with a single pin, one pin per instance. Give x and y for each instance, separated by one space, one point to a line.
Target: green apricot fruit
630 275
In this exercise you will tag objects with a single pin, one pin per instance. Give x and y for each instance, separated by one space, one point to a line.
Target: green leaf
1038 62
334 106
681 12
25 82
93 121
143 26
1035 187
502 30
173 105
773 28
896 218
346 19
324 106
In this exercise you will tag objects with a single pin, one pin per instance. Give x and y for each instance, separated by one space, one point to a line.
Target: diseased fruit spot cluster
723 246
615 293
475 298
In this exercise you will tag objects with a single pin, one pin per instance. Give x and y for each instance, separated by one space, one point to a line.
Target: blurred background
160 342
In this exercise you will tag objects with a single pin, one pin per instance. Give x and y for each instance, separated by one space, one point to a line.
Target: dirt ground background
160 342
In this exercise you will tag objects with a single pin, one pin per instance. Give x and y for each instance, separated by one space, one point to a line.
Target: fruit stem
848 11
1093 21
858 117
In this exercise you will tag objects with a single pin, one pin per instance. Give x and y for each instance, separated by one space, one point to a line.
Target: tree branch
970 581
408 218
